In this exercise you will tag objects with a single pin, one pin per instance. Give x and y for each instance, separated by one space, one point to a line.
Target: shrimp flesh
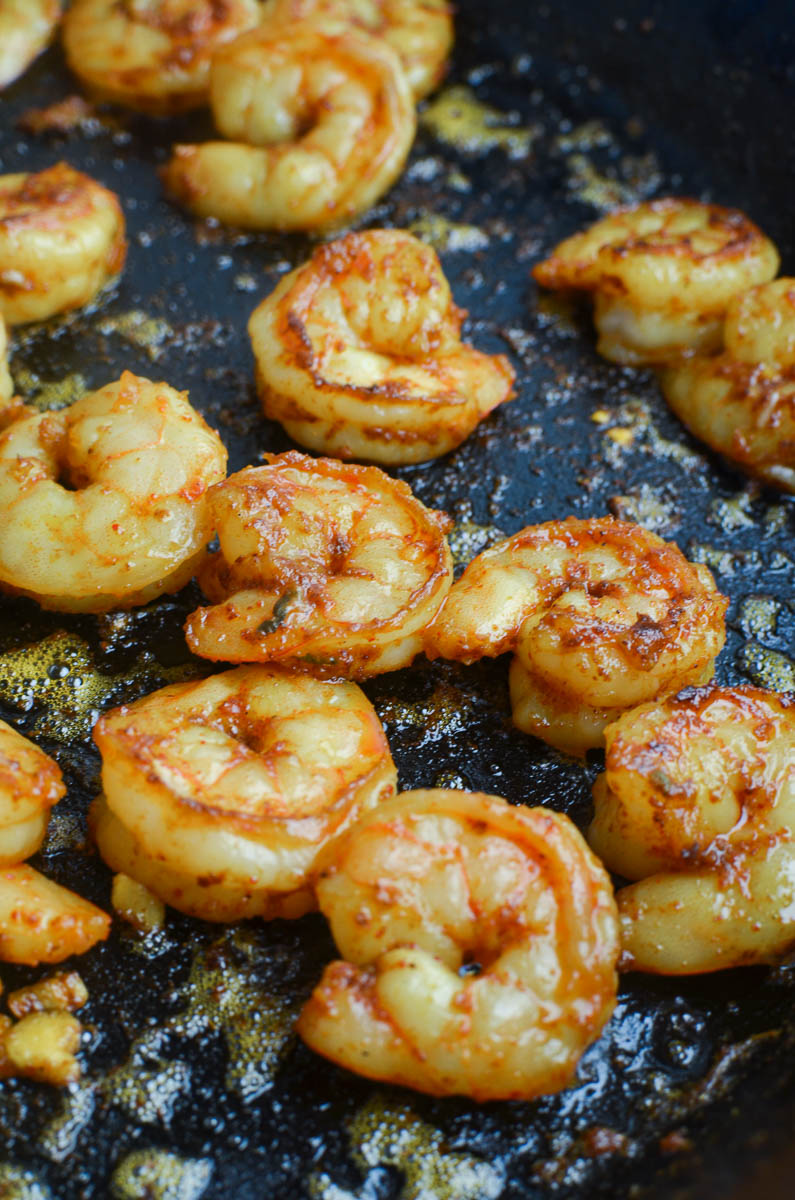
436 885
358 353
219 795
742 402
42 922
662 275
61 242
420 31
30 784
328 567
602 615
151 55
321 120
698 805
105 503
26 27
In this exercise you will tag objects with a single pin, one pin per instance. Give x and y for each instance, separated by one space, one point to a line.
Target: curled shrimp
698 804
662 275
105 502
435 882
219 795
151 55
420 31
61 242
601 614
358 353
26 27
332 568
321 120
742 402
42 922
30 784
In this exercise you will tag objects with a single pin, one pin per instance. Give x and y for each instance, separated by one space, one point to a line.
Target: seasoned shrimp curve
698 804
26 27
359 354
61 242
332 568
662 275
105 502
321 120
30 784
433 883
602 615
151 55
742 402
219 795
420 31
42 922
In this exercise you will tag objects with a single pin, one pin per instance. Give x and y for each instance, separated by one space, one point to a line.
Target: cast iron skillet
194 1085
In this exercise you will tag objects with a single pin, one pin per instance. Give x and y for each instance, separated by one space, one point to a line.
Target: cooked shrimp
698 804
105 502
332 568
742 402
30 784
40 921
61 242
420 31
219 795
602 615
662 275
151 55
434 882
358 353
321 121
26 27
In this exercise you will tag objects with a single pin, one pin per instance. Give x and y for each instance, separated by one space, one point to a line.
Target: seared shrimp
151 55
42 922
30 784
26 27
742 402
61 241
420 31
105 502
219 795
436 881
698 804
321 120
602 615
359 355
332 568
662 275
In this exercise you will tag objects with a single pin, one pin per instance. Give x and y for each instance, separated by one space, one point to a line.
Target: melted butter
733 513
467 538
148 333
722 562
459 119
645 507
444 235
19 1184
559 311
758 616
58 1139
47 395
447 710
158 1175
588 136
767 668
60 679
591 186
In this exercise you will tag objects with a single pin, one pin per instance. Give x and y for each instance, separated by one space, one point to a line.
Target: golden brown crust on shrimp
30 784
26 26
40 921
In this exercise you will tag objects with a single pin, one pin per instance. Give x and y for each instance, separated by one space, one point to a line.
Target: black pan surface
194 1083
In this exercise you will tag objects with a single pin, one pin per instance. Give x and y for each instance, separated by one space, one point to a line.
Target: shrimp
698 804
219 795
321 120
105 502
151 55
420 31
332 568
26 27
662 275
358 353
30 784
433 883
602 615
42 922
61 242
742 402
